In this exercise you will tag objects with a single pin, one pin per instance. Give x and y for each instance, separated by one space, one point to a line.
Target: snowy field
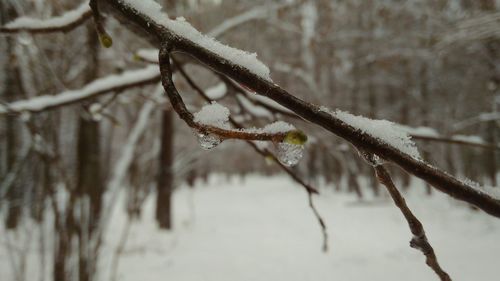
262 229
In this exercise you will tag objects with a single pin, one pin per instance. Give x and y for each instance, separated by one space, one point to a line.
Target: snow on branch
120 82
267 154
260 12
212 122
383 130
162 31
65 22
180 28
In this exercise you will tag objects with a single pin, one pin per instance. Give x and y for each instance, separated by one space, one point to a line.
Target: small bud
295 137
106 40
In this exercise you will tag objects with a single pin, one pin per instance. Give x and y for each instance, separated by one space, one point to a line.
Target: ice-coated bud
106 40
295 137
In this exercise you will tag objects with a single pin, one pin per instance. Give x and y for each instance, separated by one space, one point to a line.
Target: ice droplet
289 154
208 141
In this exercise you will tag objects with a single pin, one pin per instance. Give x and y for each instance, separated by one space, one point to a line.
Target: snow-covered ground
262 229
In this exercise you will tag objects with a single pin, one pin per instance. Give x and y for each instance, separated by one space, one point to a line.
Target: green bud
295 137
106 40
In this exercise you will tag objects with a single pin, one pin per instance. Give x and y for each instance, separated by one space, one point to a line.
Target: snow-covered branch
112 83
257 13
63 23
247 70
267 154
212 122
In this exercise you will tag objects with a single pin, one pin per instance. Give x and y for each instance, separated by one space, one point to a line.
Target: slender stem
419 240
180 107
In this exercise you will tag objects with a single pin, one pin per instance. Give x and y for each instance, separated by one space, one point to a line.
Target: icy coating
185 30
384 130
289 154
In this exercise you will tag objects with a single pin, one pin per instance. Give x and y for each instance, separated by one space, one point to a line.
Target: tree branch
179 106
265 153
101 86
419 240
64 23
160 33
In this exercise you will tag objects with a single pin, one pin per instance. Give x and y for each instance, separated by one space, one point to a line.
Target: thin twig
419 240
180 107
265 153
160 34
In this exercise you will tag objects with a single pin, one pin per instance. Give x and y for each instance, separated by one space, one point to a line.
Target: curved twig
265 153
180 107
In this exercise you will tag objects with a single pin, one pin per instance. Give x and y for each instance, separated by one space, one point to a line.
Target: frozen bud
295 137
106 40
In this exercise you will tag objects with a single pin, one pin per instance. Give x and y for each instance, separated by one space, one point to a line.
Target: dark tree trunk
89 179
12 90
424 106
165 175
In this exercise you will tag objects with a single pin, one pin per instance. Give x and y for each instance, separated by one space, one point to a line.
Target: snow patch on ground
261 228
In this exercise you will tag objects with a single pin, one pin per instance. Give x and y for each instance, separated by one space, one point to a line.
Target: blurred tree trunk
12 90
491 127
90 185
165 175
164 186
424 108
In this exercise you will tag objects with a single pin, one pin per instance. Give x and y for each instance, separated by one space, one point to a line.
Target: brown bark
165 175
160 35
89 179
13 89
